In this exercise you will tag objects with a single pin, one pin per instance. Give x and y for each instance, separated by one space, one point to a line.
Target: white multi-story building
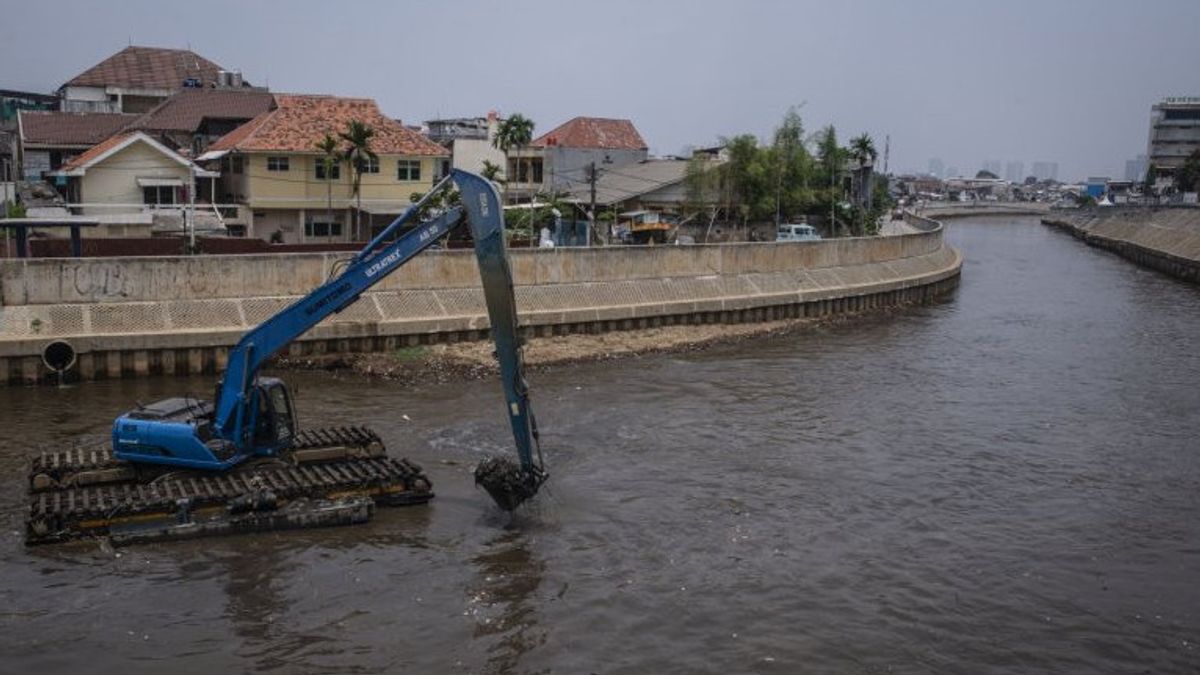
470 141
1174 134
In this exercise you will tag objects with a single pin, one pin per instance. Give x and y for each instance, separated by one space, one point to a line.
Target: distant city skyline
744 78
1012 170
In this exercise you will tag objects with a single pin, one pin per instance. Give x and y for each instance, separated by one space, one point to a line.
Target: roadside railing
222 212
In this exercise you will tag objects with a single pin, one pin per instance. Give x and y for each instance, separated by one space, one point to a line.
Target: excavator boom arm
481 203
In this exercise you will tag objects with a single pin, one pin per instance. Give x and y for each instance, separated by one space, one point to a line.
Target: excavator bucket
508 484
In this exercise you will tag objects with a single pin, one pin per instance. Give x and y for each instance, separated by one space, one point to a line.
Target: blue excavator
184 467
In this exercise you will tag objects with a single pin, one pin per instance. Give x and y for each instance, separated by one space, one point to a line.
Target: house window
408 169
335 170
322 229
158 194
277 163
526 167
237 164
369 165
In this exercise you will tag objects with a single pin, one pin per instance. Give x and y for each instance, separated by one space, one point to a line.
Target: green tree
328 147
831 158
749 178
492 172
514 133
702 184
792 165
862 151
358 155
1187 178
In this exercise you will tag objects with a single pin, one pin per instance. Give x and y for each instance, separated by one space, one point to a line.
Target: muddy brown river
1007 482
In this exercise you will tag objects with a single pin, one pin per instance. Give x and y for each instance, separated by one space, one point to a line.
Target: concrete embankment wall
967 210
1165 238
176 315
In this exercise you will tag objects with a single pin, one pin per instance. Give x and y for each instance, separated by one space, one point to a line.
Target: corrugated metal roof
622 183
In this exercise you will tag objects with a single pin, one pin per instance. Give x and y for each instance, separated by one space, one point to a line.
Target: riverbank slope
1166 239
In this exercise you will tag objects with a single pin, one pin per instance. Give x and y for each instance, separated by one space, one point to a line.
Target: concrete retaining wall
1166 239
137 316
970 209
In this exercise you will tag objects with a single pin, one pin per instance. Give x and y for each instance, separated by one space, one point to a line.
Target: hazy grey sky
1067 81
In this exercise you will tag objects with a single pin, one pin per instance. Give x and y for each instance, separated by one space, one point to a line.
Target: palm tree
328 146
862 149
514 133
492 171
358 135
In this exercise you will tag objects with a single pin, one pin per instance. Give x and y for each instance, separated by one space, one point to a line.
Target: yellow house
133 173
271 166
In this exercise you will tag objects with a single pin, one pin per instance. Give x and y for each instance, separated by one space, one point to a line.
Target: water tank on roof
223 77
235 78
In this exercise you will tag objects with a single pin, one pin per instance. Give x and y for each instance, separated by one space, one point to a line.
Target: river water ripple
1007 482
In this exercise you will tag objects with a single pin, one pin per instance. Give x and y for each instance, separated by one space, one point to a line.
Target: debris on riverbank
459 361
473 360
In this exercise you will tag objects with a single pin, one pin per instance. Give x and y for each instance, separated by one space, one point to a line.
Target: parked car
797 232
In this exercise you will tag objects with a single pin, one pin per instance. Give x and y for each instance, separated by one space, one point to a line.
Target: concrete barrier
175 315
1162 238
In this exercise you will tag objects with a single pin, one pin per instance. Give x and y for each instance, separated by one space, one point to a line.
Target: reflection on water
503 602
1004 482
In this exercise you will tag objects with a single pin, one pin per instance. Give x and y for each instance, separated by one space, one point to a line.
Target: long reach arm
372 264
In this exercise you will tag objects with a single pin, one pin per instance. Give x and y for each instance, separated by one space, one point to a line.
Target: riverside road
1005 482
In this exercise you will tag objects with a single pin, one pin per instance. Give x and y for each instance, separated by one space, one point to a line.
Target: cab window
282 410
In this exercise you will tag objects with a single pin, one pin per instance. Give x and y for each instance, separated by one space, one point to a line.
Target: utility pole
191 212
832 195
595 220
7 174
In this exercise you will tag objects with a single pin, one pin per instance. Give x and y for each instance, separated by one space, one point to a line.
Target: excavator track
330 477
90 465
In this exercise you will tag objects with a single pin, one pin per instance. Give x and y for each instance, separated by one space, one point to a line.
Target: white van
796 232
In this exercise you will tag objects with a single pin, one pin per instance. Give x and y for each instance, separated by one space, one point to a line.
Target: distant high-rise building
1045 170
952 172
1135 169
936 168
1174 133
992 166
1014 172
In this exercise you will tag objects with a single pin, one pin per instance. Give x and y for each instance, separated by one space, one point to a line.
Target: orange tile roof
95 151
148 68
593 132
300 121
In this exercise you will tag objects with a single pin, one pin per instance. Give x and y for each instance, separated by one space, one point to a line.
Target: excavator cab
274 416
